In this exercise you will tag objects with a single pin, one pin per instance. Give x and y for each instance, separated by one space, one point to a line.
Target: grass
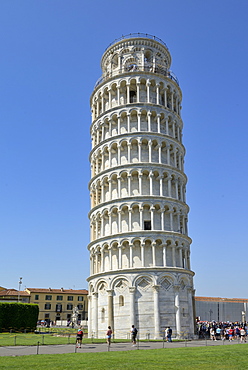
219 357
17 339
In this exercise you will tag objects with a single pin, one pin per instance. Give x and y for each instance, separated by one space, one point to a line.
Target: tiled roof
13 292
218 299
61 291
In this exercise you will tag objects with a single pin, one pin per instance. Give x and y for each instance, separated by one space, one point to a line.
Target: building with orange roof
54 304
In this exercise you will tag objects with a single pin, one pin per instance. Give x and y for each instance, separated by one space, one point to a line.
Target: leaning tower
139 245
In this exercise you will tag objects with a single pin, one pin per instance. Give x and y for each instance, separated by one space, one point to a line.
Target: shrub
18 316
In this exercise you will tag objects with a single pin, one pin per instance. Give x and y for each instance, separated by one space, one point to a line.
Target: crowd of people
222 330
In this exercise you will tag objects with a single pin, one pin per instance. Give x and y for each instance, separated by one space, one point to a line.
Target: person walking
109 335
134 332
79 338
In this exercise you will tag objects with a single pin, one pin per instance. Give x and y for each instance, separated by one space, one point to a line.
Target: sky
49 63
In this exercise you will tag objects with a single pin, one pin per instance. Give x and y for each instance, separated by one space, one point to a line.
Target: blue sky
50 61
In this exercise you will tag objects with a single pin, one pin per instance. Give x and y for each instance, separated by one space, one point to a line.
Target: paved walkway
103 347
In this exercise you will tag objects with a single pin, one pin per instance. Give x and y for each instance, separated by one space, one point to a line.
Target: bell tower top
136 52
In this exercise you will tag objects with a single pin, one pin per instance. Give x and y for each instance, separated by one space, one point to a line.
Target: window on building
59 298
58 307
80 306
70 298
57 317
36 297
69 306
147 225
48 297
132 96
80 298
121 300
47 306
68 316
47 316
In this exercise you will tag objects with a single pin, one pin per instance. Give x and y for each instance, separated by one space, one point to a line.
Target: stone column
138 92
180 257
148 91
119 221
159 123
150 150
149 121
169 186
178 310
118 94
164 255
153 254
128 93
119 125
119 154
110 309
129 153
139 151
167 126
95 318
142 254
140 183
129 184
156 311
89 315
132 305
110 102
157 94
141 218
110 222
130 219
119 257
128 122
162 219
139 117
161 186
191 314
102 260
151 182
119 186
110 189
159 153
168 154
130 255
173 246
110 258
165 98
152 209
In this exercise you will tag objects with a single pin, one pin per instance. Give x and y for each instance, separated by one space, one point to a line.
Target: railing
158 69
135 35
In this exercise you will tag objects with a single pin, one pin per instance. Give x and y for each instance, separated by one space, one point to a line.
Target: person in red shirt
230 333
109 335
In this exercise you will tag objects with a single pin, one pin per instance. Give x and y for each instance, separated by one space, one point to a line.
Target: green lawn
15 339
219 357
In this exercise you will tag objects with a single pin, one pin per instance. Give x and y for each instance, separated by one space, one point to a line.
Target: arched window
121 300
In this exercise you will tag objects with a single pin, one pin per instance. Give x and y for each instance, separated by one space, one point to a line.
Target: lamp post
20 283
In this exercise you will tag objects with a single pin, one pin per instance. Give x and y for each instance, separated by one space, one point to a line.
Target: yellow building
58 304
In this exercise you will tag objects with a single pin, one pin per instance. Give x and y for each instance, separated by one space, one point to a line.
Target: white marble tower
139 248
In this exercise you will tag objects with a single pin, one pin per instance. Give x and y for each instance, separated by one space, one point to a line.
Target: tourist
79 339
212 334
242 335
168 334
109 335
134 332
